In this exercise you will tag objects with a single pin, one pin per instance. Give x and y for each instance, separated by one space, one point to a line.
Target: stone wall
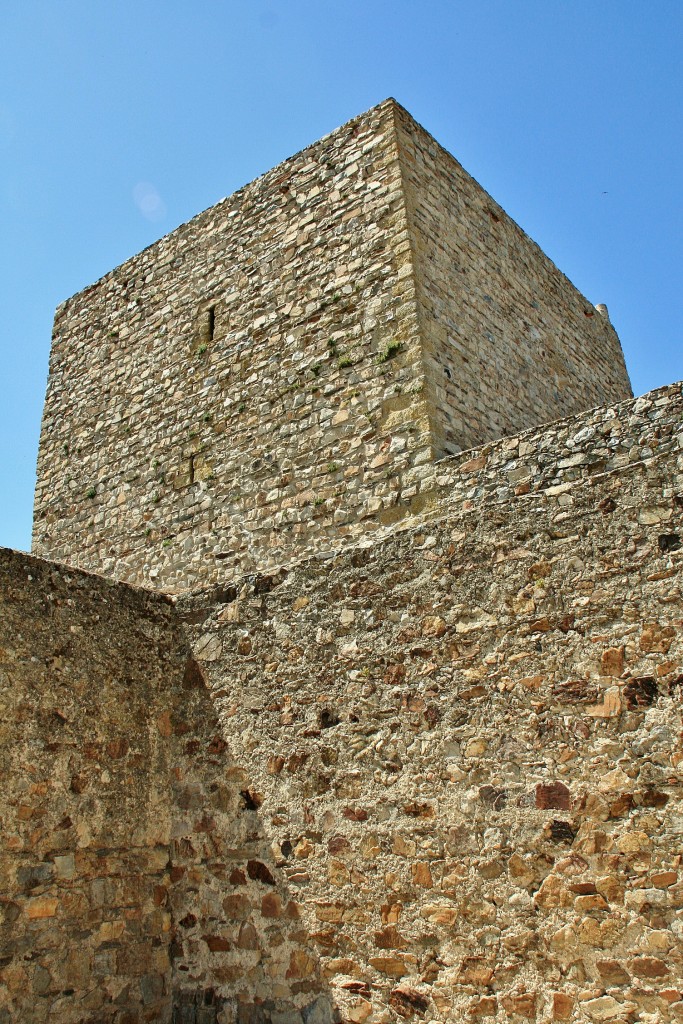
271 379
551 461
508 341
430 777
247 386
85 797
116 805
136 881
466 748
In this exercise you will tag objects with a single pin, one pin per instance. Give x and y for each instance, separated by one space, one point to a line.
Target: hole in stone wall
258 872
251 801
641 692
561 832
206 329
328 719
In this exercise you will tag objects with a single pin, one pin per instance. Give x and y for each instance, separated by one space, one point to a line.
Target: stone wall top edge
255 182
14 562
220 592
497 207
669 391
263 580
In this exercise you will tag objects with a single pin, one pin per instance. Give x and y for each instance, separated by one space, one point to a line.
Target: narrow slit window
211 322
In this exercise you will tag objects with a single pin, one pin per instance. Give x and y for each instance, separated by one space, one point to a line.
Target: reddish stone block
301 965
612 973
648 967
338 845
422 874
408 1002
389 938
258 871
663 879
118 748
216 943
487 1006
248 937
390 965
563 1005
522 1005
355 814
42 906
612 661
656 639
474 465
641 692
236 908
475 971
554 796
271 905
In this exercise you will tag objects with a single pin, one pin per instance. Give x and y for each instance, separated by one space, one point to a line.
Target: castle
344 682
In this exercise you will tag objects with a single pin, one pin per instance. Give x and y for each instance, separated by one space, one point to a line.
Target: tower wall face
276 376
247 387
508 342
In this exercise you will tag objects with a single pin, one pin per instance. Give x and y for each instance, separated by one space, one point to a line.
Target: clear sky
120 120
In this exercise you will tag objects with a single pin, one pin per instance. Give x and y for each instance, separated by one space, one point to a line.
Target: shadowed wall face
137 881
86 807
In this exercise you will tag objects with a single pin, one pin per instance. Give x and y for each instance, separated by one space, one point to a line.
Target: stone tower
282 371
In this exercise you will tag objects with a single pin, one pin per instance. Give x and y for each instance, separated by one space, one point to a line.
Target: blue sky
119 121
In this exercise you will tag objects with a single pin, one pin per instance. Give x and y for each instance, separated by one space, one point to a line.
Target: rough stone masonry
423 760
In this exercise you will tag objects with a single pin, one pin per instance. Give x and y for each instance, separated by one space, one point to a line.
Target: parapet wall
550 461
114 805
126 823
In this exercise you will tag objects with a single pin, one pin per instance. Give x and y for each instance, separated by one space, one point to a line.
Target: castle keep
279 374
351 691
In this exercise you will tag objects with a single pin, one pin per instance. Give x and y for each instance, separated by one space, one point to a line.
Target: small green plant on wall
391 350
